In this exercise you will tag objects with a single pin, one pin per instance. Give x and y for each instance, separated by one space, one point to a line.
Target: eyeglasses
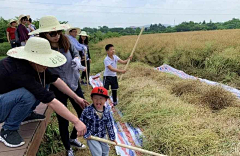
55 33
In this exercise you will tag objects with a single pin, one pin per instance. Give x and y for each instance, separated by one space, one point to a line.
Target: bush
4 47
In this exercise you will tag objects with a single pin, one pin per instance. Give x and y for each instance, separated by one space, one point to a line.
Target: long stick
132 51
86 69
125 146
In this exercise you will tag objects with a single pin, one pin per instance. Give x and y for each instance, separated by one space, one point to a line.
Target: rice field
180 117
214 55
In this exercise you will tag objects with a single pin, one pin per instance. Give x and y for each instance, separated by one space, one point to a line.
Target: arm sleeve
117 58
74 51
86 121
49 77
107 62
77 45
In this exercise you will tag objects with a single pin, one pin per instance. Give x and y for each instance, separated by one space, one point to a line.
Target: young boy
98 121
110 73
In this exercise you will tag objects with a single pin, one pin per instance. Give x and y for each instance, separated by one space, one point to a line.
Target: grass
2 57
179 124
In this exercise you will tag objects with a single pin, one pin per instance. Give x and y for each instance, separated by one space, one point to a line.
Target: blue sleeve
86 121
110 128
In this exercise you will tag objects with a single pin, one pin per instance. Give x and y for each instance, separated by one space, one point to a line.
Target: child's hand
89 138
115 141
124 71
130 57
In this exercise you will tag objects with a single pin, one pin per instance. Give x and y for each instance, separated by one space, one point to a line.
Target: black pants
88 70
63 123
13 43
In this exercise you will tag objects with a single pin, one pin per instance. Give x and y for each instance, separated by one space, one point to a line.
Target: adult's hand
80 127
82 103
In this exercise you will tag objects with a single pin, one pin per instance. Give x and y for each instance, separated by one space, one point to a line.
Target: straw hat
12 20
21 16
38 50
48 24
83 33
71 28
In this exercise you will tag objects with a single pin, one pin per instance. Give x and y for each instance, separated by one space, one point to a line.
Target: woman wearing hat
51 29
22 79
83 39
11 33
22 30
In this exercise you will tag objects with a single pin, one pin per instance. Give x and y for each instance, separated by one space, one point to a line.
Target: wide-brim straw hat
11 21
48 24
38 50
21 16
71 28
83 33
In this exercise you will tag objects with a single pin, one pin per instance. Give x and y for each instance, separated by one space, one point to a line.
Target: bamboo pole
132 52
86 69
125 146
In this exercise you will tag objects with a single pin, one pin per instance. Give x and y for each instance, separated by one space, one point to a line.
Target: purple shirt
23 33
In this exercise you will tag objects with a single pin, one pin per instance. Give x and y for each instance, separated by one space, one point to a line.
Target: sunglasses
55 33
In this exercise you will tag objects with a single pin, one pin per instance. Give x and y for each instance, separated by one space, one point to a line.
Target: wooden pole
86 69
132 52
126 146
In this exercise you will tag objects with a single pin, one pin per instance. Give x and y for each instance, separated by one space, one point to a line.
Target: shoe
83 83
115 103
11 138
70 152
77 144
33 117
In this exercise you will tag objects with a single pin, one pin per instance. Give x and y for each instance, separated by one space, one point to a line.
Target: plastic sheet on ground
168 69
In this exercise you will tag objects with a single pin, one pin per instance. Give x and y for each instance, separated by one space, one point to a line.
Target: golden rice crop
214 55
179 120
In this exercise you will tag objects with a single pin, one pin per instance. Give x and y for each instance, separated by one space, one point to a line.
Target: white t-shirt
113 62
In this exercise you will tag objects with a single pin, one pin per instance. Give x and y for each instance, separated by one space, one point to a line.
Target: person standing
51 29
83 39
22 30
31 27
11 33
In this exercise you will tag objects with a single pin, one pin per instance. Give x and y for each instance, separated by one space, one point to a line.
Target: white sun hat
48 24
38 50
12 20
83 33
21 16
71 28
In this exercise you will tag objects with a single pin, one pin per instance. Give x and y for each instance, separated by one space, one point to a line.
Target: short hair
108 46
30 20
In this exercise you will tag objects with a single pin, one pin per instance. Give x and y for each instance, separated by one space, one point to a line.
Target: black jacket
18 73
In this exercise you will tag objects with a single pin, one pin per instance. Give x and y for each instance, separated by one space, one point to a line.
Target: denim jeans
98 148
15 106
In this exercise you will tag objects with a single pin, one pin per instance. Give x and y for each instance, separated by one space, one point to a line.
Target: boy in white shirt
110 73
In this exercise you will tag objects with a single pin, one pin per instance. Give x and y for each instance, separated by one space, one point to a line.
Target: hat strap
40 77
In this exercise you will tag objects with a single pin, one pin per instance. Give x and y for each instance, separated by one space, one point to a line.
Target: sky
123 13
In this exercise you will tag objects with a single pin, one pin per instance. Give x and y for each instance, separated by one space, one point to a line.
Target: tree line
102 32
